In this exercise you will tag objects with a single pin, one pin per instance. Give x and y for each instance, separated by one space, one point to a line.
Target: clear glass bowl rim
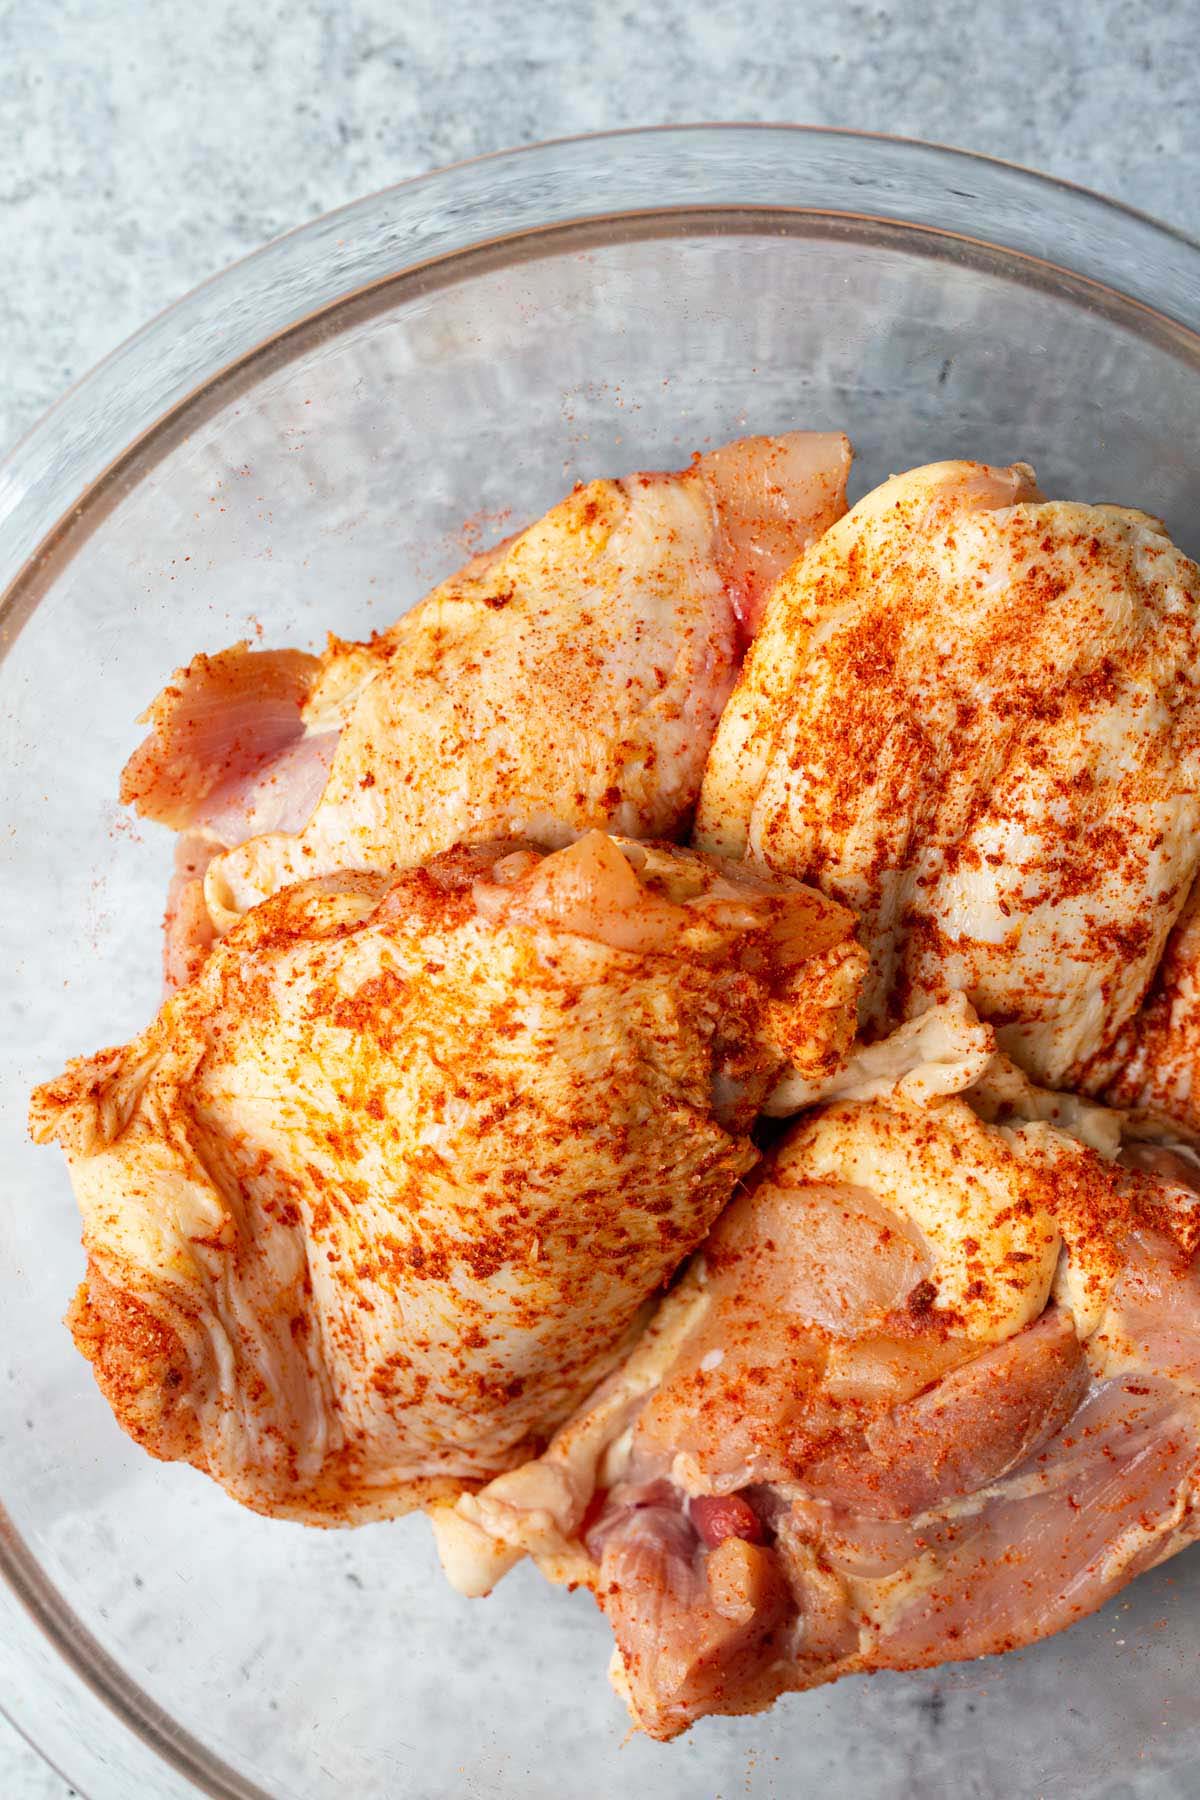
103 434
94 440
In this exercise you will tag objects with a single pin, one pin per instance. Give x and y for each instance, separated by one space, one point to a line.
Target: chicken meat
570 679
385 1188
973 716
931 1390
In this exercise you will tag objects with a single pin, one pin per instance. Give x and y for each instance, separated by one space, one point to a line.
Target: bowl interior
325 483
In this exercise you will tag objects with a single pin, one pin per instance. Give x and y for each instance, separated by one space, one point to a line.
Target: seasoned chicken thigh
383 1192
930 1390
571 678
974 716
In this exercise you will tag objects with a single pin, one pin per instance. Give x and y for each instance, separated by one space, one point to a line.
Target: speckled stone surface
23 1774
143 146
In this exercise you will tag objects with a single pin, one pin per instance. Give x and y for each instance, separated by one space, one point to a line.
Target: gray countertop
144 146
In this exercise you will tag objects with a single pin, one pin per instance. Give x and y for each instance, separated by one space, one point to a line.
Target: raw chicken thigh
973 716
571 678
382 1193
931 1390
438 1180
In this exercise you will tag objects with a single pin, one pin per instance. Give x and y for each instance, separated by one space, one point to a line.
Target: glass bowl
308 442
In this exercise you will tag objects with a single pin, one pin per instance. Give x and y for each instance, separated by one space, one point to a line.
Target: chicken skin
570 679
1153 1068
384 1190
931 1390
973 716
